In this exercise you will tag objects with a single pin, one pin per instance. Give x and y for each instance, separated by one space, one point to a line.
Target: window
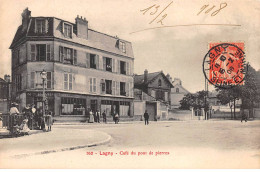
36 80
67 30
18 82
73 106
166 96
159 95
122 89
67 81
93 61
103 86
122 46
108 86
68 55
40 26
93 85
108 64
159 83
177 90
122 67
40 52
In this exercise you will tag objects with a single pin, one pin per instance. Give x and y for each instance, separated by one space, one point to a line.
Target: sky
178 51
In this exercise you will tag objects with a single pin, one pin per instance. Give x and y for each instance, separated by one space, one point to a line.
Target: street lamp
43 76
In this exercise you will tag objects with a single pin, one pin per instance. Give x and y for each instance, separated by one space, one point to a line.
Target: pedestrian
146 118
91 117
95 116
98 116
116 118
104 117
27 111
244 117
13 109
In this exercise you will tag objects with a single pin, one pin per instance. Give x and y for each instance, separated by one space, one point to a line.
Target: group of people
32 118
94 116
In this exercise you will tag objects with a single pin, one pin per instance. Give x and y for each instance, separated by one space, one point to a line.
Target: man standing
104 117
98 116
146 118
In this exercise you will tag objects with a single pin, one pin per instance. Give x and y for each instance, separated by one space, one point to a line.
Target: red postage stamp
226 64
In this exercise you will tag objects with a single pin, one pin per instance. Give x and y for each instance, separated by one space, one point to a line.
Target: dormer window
40 26
67 30
122 46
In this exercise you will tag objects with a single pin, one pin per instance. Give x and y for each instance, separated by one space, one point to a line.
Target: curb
107 140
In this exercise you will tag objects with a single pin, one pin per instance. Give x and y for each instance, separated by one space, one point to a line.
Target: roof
96 40
139 79
2 80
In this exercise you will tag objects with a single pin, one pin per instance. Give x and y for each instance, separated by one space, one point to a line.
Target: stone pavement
55 141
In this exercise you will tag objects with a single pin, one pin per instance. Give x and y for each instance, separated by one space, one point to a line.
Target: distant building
5 85
86 69
177 92
152 93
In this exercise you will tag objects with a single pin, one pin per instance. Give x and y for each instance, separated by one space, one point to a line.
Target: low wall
182 115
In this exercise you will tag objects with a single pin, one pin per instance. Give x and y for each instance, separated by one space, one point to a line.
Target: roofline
88 28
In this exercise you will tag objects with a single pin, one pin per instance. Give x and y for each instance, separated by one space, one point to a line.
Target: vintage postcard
130 84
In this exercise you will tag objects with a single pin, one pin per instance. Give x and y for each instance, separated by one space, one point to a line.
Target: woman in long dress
91 117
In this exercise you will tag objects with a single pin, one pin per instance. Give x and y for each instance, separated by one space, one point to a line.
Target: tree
249 93
197 101
229 96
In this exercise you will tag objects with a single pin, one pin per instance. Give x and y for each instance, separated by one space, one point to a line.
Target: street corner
57 140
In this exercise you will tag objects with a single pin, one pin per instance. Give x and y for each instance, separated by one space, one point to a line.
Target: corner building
85 69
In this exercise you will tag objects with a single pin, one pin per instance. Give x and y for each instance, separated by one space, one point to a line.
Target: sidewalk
55 141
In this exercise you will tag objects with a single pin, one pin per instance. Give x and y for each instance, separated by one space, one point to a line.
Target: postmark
224 65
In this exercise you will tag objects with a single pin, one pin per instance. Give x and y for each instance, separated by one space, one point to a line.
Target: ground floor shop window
106 106
124 108
73 106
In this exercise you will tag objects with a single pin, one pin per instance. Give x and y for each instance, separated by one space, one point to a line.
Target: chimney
177 81
169 77
7 78
81 27
26 15
145 76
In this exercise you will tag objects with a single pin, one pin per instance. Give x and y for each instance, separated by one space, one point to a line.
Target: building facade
152 93
85 69
177 93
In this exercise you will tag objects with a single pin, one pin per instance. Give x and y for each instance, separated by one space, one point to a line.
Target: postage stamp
224 65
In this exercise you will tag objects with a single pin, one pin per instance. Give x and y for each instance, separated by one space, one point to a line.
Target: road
173 144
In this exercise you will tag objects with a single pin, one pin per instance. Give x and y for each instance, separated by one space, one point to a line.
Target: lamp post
43 76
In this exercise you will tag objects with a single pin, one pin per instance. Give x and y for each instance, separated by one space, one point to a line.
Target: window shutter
90 85
118 66
48 79
113 65
94 85
127 68
65 81
75 57
127 89
118 88
46 26
104 63
114 88
88 60
97 61
33 52
48 52
32 79
70 81
61 54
